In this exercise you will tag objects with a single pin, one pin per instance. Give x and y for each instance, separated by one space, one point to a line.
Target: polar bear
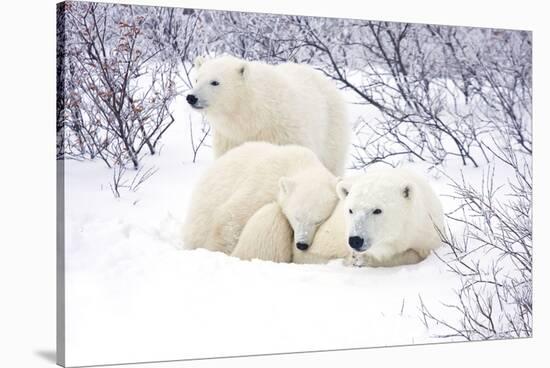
281 104
268 236
330 241
248 177
393 217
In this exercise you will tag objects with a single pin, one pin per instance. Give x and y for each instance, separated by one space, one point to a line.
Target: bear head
378 207
307 199
218 85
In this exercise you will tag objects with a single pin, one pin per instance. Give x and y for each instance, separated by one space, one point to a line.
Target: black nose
302 246
191 99
356 242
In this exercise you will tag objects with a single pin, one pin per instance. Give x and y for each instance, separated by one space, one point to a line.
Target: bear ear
407 191
199 60
342 189
286 185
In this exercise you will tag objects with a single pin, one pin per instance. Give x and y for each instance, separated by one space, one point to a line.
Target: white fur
330 240
281 104
267 236
247 178
408 227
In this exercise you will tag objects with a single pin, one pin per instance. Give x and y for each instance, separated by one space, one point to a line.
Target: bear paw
355 259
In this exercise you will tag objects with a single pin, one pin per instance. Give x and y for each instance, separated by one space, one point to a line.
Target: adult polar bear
249 177
281 104
392 215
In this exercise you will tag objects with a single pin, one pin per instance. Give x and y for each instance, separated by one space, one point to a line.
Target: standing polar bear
393 217
249 177
281 104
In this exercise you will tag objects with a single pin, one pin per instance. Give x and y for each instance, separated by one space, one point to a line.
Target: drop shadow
48 355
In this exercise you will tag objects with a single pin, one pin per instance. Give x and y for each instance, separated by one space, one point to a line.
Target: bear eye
377 211
350 211
215 83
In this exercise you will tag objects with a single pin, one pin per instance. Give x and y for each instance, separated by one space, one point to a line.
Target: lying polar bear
268 236
392 216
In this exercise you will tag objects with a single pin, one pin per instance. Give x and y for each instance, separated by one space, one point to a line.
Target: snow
133 294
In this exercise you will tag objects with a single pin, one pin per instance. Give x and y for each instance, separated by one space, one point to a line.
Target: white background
27 181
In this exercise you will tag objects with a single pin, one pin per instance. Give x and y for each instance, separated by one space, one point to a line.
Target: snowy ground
133 294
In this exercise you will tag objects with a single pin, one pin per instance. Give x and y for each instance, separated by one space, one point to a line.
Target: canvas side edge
60 186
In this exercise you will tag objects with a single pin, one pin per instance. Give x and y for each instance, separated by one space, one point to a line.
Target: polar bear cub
268 236
247 178
281 104
329 241
393 217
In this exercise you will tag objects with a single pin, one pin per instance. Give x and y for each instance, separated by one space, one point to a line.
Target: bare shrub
122 180
199 138
492 255
117 97
438 91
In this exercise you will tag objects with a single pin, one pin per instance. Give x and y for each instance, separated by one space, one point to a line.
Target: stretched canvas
278 138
